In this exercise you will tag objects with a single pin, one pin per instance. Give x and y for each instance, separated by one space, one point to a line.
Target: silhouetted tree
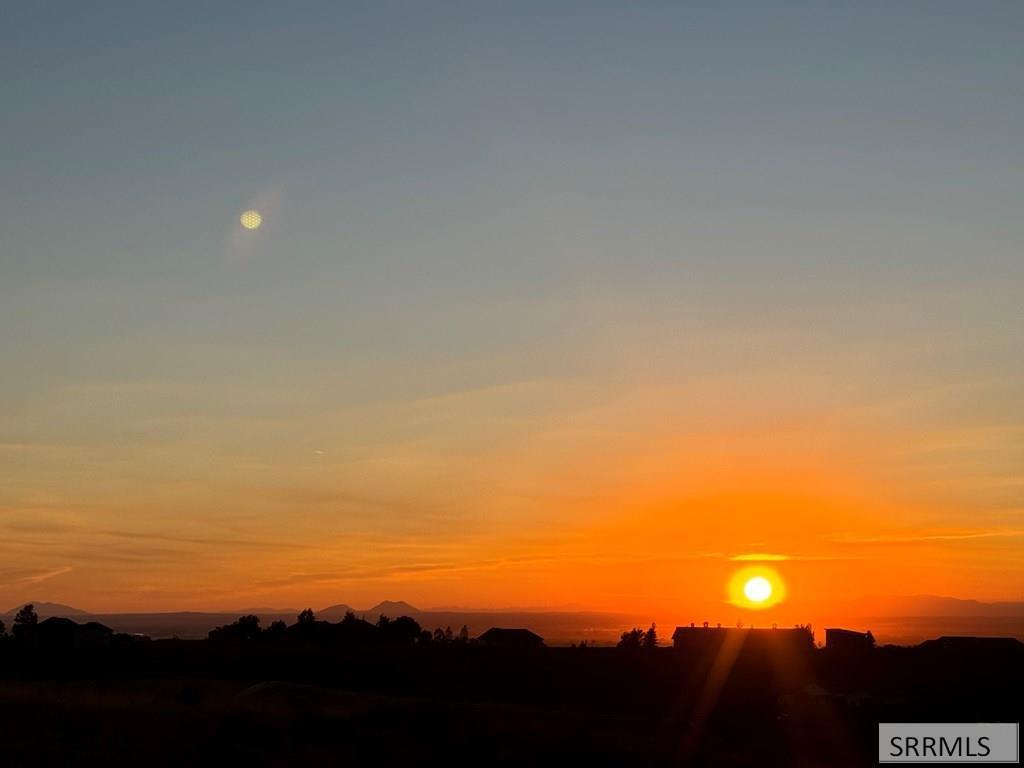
651 637
244 628
808 635
307 616
439 636
276 630
3 630
401 631
448 636
249 626
25 621
353 631
870 637
463 634
631 639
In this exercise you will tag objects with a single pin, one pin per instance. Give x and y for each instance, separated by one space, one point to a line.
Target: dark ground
199 703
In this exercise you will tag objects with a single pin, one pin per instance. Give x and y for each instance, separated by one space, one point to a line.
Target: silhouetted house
61 633
693 637
498 637
708 639
847 642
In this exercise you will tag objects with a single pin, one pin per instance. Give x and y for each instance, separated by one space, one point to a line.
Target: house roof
707 631
847 632
508 634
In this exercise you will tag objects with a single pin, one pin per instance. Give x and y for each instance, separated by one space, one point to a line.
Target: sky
554 304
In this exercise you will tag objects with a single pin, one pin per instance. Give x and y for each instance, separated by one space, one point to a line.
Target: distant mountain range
931 605
389 608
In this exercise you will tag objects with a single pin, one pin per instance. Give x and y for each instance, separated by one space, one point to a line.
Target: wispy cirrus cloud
775 557
47 575
964 535
38 578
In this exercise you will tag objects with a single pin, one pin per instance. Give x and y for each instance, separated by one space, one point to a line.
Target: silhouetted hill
45 610
922 605
932 605
392 608
265 611
335 612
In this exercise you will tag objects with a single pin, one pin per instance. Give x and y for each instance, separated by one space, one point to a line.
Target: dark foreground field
194 703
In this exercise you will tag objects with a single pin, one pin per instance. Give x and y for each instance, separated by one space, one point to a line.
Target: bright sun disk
757 589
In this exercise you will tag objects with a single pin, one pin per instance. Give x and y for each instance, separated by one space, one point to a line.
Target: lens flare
251 219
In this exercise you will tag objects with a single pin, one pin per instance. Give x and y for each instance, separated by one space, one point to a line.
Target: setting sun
756 587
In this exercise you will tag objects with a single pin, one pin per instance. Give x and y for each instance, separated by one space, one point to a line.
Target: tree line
403 631
638 638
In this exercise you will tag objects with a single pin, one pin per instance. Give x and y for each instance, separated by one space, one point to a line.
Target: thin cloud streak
911 539
38 578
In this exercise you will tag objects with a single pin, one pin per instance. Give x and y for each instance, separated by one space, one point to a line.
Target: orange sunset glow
549 516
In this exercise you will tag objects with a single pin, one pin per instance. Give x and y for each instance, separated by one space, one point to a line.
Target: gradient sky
554 303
